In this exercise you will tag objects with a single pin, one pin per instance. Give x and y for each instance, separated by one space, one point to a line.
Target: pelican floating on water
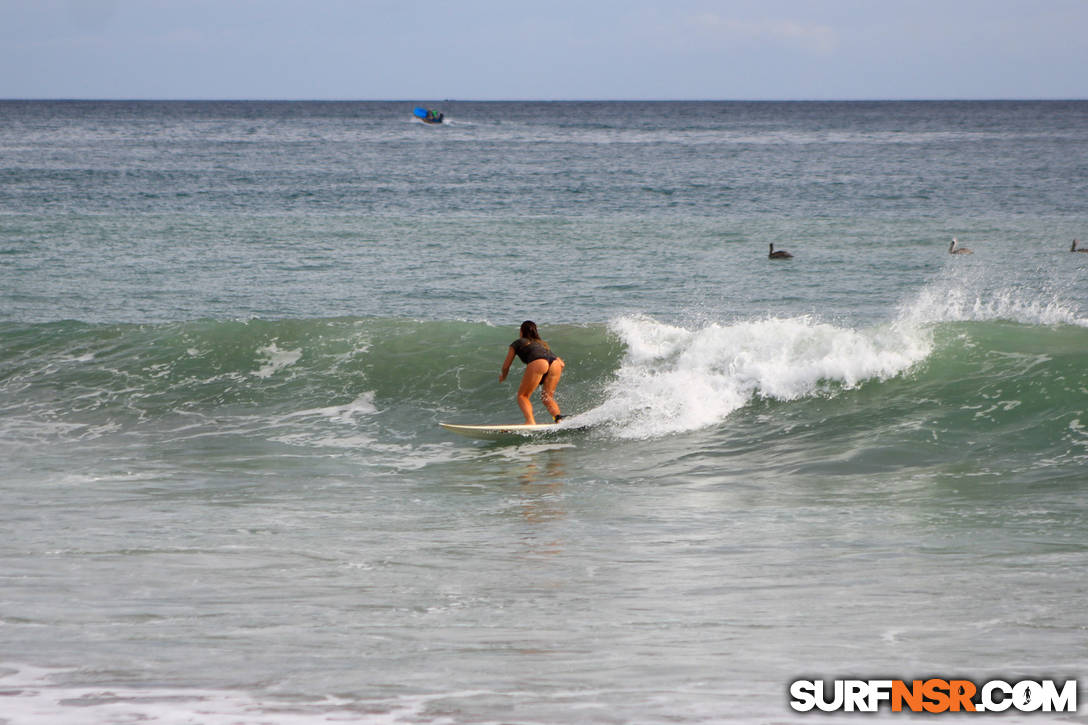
953 249
783 254
1074 247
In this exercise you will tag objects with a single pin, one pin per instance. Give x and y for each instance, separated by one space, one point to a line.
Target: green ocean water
228 333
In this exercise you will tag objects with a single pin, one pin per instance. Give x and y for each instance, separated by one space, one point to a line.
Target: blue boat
428 115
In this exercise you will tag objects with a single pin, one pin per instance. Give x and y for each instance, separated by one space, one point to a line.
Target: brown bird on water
779 254
952 249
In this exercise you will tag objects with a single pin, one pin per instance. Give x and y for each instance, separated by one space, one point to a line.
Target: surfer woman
542 367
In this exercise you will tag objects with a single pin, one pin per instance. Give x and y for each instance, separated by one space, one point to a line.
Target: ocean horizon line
89 99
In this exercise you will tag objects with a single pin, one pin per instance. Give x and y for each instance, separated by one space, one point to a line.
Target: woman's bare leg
534 371
551 381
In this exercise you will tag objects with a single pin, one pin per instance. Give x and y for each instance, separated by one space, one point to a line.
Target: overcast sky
547 49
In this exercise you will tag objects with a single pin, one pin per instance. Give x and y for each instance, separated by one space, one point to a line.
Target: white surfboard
498 432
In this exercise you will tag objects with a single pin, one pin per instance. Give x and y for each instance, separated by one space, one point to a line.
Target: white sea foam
276 360
363 405
32 695
675 379
976 298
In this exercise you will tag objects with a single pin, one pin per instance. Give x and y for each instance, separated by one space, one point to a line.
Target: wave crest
977 297
673 379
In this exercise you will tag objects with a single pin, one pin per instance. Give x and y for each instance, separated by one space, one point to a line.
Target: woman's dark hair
529 332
